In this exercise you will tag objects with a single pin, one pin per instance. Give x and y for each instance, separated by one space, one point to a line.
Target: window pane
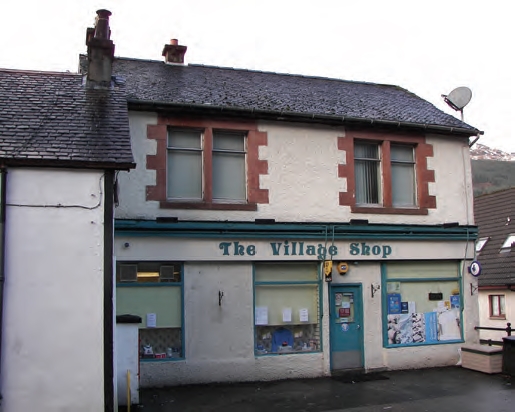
229 181
401 153
413 319
367 182
403 184
184 180
495 305
228 141
366 151
293 272
184 139
396 270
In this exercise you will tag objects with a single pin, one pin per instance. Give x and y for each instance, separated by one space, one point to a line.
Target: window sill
502 317
410 345
252 207
388 210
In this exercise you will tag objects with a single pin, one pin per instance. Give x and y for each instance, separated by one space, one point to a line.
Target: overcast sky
427 47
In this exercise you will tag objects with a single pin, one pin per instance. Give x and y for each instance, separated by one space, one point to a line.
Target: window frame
254 166
384 295
422 175
160 284
502 308
317 283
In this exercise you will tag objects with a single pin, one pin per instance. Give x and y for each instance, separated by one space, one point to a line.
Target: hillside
492 175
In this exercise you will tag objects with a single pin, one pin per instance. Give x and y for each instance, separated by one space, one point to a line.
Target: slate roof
52 118
495 215
266 92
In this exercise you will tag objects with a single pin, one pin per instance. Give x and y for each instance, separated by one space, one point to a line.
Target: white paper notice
151 320
286 314
412 307
261 315
346 305
303 314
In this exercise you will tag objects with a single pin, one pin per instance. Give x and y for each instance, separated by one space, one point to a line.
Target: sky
427 47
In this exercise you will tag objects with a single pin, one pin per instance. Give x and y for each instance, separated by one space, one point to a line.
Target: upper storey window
400 176
187 179
203 164
386 173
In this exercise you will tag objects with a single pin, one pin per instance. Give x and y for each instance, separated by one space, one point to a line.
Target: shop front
242 305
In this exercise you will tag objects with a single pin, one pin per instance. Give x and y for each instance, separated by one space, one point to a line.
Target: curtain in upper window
367 173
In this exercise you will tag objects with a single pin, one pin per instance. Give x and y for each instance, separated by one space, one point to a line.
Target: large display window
287 307
153 291
422 303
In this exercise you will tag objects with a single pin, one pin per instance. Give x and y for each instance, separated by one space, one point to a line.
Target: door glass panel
344 307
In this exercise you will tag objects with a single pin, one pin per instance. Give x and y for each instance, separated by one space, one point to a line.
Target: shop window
287 308
497 306
422 303
153 291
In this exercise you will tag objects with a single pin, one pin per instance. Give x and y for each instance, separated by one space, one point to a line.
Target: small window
367 173
497 306
508 243
480 244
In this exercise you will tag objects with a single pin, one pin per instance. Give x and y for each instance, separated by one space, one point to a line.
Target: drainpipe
3 197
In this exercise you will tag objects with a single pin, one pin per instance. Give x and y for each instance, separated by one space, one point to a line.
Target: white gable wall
52 347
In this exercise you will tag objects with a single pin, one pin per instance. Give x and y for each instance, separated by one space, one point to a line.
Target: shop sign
295 248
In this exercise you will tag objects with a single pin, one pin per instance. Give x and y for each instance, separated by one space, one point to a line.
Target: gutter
3 202
152 105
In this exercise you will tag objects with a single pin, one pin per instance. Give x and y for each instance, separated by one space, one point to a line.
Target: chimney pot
100 51
174 42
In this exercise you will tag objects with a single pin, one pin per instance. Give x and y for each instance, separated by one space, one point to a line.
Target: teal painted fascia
321 231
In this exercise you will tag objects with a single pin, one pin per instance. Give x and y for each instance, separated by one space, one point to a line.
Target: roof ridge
38 72
307 76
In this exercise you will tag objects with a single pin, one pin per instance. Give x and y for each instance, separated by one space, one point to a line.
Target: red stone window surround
423 176
255 167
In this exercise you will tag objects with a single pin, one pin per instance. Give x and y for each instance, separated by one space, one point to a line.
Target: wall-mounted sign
475 268
294 248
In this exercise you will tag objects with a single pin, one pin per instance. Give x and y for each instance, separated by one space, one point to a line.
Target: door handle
358 326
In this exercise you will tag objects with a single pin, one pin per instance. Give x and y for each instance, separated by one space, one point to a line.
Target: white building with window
282 226
495 251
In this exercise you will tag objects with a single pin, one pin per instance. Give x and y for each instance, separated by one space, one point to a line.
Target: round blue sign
475 268
345 327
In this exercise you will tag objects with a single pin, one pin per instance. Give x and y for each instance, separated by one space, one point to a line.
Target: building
282 226
62 139
494 214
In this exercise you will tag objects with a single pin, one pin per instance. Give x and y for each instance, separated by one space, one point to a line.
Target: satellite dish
458 98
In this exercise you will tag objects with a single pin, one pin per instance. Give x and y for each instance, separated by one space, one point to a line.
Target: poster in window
455 301
431 327
394 303
343 312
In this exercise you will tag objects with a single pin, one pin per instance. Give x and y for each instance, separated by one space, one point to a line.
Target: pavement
449 389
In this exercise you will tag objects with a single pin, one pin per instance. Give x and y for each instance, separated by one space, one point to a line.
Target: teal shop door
346 327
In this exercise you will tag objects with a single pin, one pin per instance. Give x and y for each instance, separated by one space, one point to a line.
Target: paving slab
452 389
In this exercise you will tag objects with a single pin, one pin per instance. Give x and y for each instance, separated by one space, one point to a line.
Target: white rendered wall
52 346
484 312
303 179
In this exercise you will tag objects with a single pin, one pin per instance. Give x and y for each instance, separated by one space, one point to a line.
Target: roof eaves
296 116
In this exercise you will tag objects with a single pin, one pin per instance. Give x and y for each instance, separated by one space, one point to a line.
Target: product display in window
160 343
290 339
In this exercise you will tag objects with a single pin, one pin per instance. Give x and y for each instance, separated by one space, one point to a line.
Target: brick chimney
173 53
100 51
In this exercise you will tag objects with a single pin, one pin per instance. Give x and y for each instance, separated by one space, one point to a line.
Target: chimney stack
100 51
173 53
